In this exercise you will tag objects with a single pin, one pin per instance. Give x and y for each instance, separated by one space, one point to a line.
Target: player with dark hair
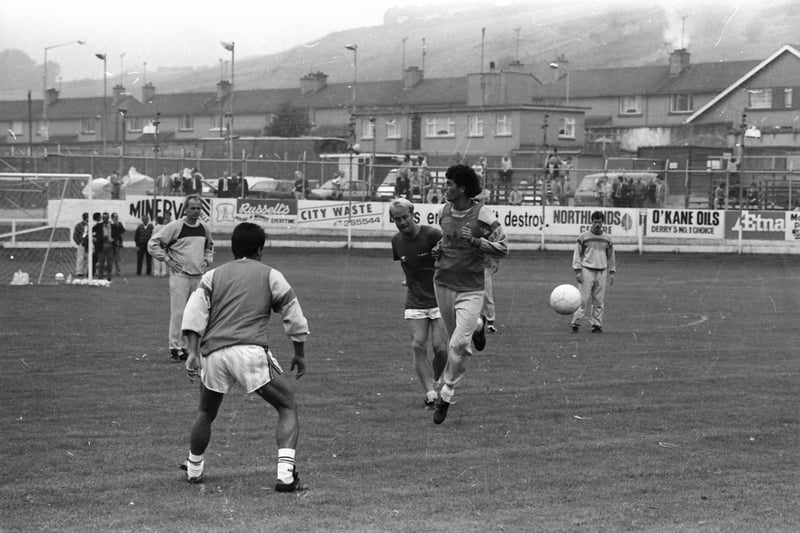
186 246
470 231
226 325
412 246
595 265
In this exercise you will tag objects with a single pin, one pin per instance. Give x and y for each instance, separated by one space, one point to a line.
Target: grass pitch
681 416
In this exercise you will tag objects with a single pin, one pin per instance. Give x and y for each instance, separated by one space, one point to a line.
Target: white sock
447 393
431 396
194 466
479 324
286 465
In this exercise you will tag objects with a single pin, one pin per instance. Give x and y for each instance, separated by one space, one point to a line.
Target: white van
595 189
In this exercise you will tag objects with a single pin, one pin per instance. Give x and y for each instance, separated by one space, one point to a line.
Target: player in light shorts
225 323
412 245
249 365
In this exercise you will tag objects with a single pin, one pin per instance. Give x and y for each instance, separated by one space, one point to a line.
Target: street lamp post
122 112
44 131
560 62
354 150
231 47
156 123
354 49
105 99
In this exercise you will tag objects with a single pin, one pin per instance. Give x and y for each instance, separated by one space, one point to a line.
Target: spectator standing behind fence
242 188
661 191
554 163
719 197
117 230
163 184
141 238
192 182
638 193
116 185
80 236
188 249
224 185
300 185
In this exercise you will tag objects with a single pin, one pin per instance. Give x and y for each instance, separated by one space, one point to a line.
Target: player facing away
412 246
226 325
470 231
595 266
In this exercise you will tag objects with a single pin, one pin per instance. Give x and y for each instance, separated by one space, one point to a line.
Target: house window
681 103
503 125
440 127
392 129
134 125
217 124
88 126
367 129
475 126
759 98
567 129
186 123
787 97
17 127
630 105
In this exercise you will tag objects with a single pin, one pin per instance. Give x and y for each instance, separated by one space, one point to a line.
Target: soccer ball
565 299
59 277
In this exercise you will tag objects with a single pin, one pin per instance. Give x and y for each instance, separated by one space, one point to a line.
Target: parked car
593 188
339 189
273 189
385 190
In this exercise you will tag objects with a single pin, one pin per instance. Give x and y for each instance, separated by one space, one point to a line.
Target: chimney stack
52 96
313 82
412 77
223 89
148 92
118 94
678 61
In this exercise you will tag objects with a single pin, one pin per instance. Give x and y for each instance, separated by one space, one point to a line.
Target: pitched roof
628 81
786 49
177 104
706 77
434 91
18 109
78 108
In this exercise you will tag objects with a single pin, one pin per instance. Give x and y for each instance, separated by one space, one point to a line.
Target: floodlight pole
44 129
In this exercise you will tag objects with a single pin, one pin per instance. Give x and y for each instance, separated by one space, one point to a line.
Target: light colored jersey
460 265
595 252
234 302
190 246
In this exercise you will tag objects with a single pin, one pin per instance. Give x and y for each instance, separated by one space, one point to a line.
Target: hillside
588 35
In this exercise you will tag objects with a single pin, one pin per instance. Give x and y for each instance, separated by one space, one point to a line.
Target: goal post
36 231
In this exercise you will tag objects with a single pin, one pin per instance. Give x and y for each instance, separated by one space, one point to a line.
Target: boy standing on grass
412 246
226 325
470 232
595 265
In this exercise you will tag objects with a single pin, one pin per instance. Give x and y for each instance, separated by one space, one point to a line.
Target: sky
173 33
146 35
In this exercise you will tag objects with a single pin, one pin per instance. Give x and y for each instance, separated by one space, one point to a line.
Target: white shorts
421 314
247 364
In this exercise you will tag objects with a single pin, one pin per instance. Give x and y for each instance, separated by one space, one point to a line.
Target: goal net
36 232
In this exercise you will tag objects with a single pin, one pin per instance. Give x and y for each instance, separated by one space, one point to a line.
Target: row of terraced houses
487 114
